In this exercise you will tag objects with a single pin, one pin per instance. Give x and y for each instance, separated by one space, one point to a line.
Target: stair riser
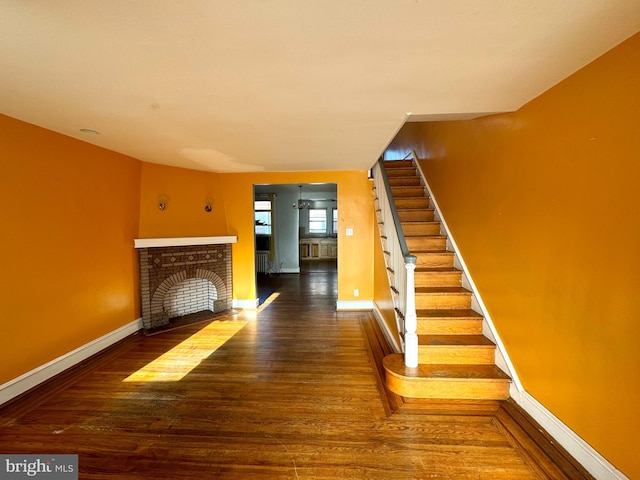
409 228
460 355
407 191
401 172
427 301
435 260
411 181
390 164
412 202
426 243
430 279
449 326
416 215
454 389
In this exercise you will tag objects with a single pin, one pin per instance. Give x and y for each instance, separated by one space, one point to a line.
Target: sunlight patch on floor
268 301
178 362
253 314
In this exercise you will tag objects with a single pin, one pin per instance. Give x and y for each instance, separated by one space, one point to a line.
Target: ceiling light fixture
302 203
89 131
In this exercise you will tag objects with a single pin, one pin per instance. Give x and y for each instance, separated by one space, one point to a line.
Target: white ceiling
285 85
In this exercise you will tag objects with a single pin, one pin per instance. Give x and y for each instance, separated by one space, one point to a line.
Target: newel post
410 316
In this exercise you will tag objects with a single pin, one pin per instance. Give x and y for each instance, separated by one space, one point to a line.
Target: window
335 221
263 217
317 220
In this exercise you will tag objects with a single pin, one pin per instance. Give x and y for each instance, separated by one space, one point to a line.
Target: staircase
455 360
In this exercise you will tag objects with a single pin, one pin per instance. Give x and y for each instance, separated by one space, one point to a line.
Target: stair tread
402 172
413 180
395 363
437 250
416 214
398 163
413 206
442 290
422 235
441 252
408 191
454 341
437 270
452 313
420 222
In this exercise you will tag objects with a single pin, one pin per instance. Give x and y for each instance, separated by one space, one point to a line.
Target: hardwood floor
290 393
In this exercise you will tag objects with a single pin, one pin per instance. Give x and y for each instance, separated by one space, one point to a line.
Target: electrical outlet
356 292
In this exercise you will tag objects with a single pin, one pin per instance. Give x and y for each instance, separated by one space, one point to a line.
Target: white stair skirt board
393 343
26 381
354 305
245 304
585 454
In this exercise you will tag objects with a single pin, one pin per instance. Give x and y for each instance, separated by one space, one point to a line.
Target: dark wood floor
288 393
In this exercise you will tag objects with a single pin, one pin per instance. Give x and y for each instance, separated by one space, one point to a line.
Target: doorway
295 232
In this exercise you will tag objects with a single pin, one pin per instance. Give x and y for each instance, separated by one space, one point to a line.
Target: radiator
262 262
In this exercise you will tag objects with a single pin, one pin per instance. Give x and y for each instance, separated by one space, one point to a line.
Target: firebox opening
183 284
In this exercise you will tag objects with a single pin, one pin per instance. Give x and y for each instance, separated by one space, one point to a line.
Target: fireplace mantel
183 241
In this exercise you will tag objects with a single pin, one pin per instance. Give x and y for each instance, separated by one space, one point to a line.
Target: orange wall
187 192
233 215
544 205
69 214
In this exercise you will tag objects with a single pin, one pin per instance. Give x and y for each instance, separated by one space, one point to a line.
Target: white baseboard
26 381
585 454
354 305
246 304
393 343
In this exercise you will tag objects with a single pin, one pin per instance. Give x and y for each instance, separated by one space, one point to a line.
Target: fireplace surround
183 276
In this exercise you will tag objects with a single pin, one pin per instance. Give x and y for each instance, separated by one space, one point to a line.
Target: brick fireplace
183 276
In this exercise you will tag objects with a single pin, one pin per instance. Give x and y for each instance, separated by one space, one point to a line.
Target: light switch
349 232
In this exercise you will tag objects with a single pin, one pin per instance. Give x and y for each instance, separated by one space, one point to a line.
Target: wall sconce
162 201
207 205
